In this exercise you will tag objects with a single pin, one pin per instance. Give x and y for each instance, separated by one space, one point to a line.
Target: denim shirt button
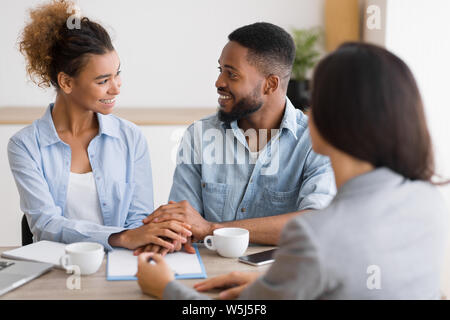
243 210
203 185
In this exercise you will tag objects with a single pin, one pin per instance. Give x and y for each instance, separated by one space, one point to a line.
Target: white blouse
82 198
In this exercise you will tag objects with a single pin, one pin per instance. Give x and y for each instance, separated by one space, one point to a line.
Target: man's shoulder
209 122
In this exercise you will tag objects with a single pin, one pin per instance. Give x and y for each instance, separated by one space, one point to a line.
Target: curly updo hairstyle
51 47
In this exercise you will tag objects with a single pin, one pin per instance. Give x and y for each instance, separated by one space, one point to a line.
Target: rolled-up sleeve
318 186
43 215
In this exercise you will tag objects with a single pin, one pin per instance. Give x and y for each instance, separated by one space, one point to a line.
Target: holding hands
162 234
177 212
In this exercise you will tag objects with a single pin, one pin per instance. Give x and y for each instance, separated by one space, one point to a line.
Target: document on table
122 265
41 251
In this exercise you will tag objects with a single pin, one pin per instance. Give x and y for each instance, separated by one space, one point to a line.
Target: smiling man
250 165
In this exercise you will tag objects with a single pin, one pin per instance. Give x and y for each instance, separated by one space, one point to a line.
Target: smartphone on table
260 258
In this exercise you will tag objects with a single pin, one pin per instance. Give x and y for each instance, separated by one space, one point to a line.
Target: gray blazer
382 237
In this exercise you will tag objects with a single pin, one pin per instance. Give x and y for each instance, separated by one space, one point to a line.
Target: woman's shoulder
40 132
427 195
26 136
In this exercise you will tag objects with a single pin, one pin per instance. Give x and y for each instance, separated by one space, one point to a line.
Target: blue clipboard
201 275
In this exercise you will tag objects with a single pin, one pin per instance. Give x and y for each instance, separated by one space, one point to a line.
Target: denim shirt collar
49 135
288 122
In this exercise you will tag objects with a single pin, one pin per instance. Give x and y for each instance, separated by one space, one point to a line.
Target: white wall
419 32
168 49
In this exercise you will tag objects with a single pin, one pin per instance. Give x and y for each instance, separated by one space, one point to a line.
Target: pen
153 262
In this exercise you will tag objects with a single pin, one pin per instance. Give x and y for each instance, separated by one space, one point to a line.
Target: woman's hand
237 280
158 249
153 276
152 233
163 251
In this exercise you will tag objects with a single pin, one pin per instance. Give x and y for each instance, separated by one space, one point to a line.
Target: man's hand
182 211
153 277
237 280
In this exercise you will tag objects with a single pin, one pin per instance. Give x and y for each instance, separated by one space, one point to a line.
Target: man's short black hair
270 48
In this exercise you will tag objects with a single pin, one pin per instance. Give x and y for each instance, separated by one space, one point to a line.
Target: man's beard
243 108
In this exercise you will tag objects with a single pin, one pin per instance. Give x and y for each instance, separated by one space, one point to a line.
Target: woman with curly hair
82 173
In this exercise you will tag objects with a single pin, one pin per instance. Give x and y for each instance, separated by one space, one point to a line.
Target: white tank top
82 199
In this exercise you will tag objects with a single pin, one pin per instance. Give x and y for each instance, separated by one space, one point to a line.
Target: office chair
27 236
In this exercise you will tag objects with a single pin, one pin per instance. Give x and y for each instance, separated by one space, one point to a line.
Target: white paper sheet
122 265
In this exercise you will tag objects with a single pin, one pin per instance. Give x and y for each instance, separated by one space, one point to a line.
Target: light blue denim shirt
217 175
40 162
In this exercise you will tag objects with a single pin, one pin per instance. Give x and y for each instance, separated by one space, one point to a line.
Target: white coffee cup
228 242
88 256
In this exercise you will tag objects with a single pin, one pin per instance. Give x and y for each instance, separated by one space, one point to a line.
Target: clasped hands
182 218
178 224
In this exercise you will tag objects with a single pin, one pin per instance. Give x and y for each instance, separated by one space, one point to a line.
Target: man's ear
272 84
65 82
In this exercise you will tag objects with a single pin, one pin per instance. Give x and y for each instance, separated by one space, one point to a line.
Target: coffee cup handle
209 246
65 261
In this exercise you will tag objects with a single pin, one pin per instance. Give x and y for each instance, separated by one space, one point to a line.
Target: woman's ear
272 84
65 82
